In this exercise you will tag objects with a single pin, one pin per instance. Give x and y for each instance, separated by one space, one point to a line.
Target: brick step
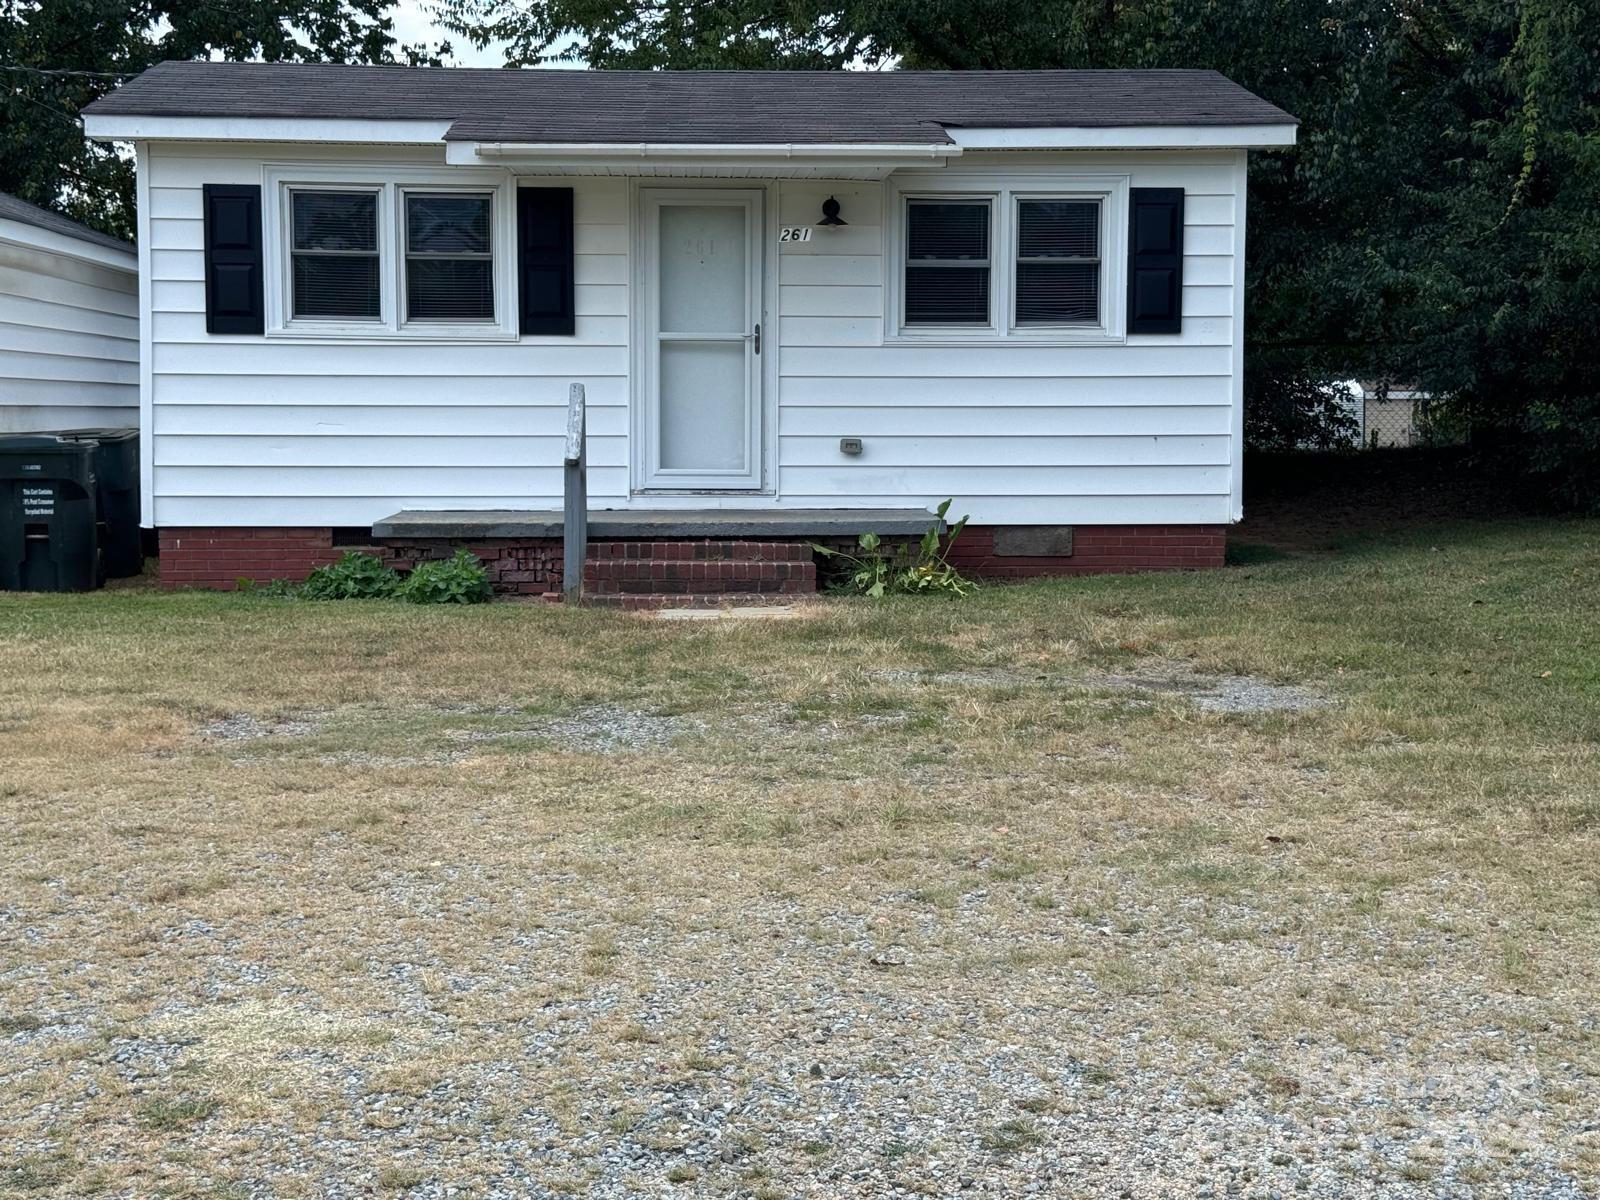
699 587
696 571
701 550
639 601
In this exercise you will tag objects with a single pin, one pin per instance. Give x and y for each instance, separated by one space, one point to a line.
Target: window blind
334 253
1058 262
449 257
947 262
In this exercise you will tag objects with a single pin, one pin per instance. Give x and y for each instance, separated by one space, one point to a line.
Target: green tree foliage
1499 250
1438 222
58 55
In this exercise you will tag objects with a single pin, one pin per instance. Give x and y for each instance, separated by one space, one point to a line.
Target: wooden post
575 526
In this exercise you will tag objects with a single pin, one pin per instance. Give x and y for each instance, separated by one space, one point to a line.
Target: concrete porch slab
767 524
771 612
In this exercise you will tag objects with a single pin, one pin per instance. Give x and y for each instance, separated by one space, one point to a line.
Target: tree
1501 249
58 55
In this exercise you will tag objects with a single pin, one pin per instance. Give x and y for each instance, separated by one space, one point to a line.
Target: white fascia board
615 154
19 233
263 129
1125 137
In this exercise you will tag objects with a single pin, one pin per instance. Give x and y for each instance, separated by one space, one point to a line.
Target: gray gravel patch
1220 693
1212 693
245 727
608 729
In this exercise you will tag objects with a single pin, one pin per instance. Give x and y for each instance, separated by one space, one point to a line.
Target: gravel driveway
868 902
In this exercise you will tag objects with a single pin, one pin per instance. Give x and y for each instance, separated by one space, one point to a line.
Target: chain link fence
1392 415
1391 418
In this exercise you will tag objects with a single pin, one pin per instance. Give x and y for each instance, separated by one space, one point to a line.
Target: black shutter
1155 260
544 261
233 258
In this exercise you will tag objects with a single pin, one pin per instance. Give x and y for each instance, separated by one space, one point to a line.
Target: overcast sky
413 23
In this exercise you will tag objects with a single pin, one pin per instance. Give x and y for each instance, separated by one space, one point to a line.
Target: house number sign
794 233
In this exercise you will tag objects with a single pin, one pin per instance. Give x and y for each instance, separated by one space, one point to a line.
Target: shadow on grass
1253 554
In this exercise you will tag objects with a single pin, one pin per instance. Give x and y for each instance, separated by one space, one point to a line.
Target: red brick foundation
516 566
1097 550
218 558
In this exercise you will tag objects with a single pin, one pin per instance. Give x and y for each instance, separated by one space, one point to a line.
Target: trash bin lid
35 443
46 457
109 434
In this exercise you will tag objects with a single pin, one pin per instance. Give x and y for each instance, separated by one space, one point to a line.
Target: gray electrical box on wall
849 445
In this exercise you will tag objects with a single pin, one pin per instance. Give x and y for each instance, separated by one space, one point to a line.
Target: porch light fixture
830 213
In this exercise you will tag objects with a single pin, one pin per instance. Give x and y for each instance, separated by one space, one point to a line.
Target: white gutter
1124 137
809 150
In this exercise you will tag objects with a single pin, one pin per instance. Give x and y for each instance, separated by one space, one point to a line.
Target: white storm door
701 340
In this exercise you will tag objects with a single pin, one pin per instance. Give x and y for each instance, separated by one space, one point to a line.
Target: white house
367 290
69 323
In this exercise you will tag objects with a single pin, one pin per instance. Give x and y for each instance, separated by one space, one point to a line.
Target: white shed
69 323
790 296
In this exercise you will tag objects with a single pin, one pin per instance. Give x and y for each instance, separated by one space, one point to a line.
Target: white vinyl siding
281 431
278 431
69 340
1139 432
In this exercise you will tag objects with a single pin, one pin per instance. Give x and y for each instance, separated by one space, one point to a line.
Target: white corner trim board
103 128
147 326
1124 137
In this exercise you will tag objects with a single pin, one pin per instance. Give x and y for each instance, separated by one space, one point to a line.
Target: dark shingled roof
727 107
12 209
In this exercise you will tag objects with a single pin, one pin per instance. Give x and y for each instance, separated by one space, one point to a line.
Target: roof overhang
851 159
811 157
776 160
32 237
1124 137
323 130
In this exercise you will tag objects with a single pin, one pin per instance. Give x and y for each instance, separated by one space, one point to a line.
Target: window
1058 262
334 256
947 262
379 253
1034 255
449 263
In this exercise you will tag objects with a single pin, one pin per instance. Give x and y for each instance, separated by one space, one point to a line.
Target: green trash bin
49 537
116 472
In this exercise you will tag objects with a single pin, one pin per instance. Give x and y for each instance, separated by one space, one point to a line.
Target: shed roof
14 209
706 107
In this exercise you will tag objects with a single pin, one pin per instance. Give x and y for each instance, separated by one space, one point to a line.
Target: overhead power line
68 74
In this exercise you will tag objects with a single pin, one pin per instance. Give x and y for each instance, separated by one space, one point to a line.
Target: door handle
757 336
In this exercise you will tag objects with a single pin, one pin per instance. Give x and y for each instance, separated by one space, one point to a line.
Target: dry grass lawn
883 899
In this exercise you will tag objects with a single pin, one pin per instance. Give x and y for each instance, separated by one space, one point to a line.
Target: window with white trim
1058 262
390 252
1027 257
333 255
449 259
947 262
